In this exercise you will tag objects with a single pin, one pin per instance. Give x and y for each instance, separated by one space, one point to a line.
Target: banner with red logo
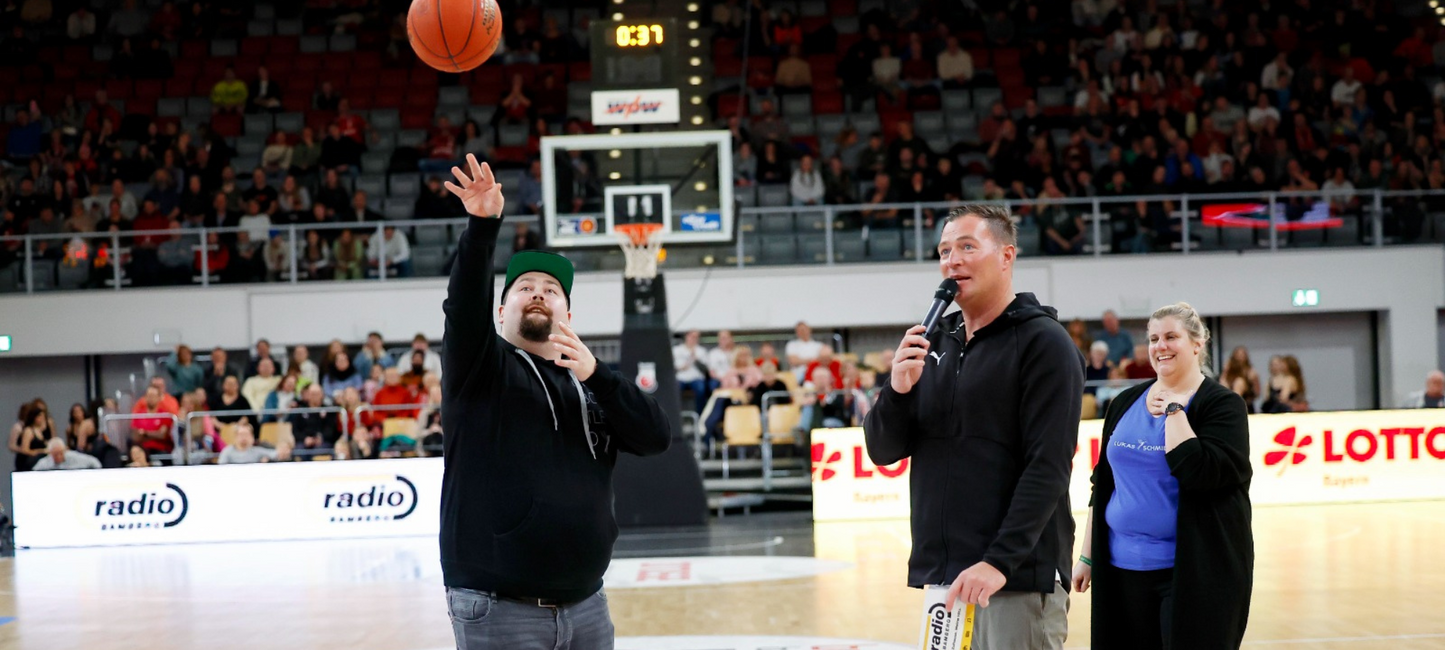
1299 458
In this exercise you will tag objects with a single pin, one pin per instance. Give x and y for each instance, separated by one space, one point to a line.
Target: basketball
454 35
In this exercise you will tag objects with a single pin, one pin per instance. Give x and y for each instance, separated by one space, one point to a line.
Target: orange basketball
454 35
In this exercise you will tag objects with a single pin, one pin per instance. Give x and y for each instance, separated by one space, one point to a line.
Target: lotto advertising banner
1298 458
228 503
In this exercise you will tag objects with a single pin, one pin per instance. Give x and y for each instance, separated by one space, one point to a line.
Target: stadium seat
984 98
313 43
259 124
405 185
813 248
291 123
171 107
373 185
775 223
427 261
770 196
224 47
417 137
342 43
779 249
848 247
453 96
885 245
375 162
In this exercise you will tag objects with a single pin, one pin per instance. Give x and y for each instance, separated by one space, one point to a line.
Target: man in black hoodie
987 406
532 426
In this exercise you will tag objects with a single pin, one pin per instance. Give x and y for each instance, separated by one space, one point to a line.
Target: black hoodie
526 508
991 427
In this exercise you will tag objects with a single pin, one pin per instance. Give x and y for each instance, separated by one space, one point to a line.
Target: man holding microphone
532 426
987 405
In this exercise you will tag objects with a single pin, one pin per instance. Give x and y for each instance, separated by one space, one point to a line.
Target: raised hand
576 356
480 193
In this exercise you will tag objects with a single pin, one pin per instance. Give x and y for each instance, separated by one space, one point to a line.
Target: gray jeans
1023 621
481 621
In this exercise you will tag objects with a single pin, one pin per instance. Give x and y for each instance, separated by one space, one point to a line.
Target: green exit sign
1306 298
4 342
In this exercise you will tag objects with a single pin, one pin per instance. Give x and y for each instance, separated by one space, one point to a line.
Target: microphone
941 299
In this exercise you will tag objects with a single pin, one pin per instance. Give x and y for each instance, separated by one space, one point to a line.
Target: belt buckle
543 603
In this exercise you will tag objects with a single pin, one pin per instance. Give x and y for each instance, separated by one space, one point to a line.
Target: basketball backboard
680 179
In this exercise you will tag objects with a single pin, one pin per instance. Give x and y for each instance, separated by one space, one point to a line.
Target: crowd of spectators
372 402
86 166
266 406
1111 99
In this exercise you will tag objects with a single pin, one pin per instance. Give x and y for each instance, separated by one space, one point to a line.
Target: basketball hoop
640 245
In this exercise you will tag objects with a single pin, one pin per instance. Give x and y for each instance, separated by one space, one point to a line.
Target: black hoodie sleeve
1218 456
1051 401
891 428
471 359
634 418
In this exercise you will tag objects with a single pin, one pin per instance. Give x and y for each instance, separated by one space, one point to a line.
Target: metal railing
107 418
815 234
192 456
423 411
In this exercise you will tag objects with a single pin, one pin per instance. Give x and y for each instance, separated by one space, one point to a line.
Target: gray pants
481 621
1023 621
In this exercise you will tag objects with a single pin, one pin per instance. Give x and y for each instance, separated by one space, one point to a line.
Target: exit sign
4 342
1306 298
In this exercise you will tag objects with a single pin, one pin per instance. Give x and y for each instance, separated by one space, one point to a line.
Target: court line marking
776 541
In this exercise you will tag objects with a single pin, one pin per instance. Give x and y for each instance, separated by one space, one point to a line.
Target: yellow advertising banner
1299 458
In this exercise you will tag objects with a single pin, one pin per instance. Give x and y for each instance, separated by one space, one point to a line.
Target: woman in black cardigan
1171 561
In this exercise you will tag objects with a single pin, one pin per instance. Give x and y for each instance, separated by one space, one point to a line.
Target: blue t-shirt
1143 514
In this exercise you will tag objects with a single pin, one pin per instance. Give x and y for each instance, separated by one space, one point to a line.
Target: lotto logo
1292 446
863 468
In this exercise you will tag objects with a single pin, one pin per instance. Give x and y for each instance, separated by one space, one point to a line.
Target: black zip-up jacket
526 508
991 428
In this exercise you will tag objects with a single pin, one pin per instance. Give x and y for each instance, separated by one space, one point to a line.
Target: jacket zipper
952 408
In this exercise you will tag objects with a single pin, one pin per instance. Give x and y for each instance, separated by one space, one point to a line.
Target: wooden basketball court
1365 577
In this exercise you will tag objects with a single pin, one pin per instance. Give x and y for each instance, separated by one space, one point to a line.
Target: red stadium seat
579 72
729 67
846 41
195 50
254 46
981 58
811 24
141 106
416 118
179 87
282 45
227 125
889 120
390 98
148 89
842 7
924 102
829 102
728 105
393 78
118 88
724 48
187 69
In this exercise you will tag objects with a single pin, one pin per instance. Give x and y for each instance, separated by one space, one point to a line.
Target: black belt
550 603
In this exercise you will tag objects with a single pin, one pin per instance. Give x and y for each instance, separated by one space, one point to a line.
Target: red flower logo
819 462
1287 439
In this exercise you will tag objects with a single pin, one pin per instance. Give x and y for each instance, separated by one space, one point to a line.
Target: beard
536 327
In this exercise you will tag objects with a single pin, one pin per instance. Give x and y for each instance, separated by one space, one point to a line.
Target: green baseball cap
542 262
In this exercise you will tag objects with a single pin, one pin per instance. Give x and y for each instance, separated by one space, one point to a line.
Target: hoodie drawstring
581 395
